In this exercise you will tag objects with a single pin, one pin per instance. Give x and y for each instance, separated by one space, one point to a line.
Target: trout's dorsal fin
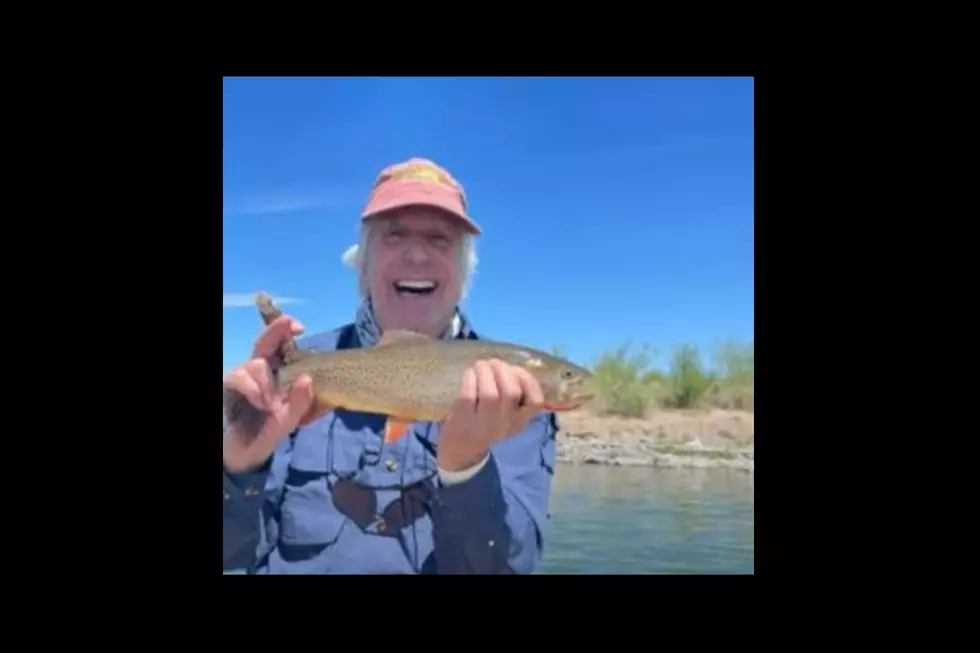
288 351
401 337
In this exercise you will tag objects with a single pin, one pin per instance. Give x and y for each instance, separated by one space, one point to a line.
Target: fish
411 377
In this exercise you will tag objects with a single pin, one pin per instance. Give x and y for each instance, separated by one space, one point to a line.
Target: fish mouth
577 392
569 404
412 288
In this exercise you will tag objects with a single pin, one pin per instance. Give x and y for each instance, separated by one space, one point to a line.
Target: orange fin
398 336
395 429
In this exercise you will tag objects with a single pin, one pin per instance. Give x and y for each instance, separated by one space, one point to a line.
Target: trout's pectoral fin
395 428
400 336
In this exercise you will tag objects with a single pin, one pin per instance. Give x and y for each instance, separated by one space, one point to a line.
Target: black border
147 319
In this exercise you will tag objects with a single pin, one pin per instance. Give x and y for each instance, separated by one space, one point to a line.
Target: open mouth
415 288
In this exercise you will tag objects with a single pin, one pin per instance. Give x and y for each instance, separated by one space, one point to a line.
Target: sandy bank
704 439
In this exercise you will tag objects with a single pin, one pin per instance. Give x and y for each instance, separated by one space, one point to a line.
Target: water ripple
648 521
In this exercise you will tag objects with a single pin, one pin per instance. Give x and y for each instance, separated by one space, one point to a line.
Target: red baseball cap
419 182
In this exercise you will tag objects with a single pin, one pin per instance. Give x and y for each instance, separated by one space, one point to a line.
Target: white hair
355 257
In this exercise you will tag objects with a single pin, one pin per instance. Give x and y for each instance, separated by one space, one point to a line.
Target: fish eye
567 374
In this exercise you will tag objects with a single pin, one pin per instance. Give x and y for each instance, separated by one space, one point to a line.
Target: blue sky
613 209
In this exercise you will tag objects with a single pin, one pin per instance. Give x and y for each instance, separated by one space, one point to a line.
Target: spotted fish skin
412 377
417 378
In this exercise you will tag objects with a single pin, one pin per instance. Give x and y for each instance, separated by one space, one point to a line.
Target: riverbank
675 439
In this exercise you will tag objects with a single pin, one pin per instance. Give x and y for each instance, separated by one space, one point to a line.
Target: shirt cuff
454 478
244 484
476 505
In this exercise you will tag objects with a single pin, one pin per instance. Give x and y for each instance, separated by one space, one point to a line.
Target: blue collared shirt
335 498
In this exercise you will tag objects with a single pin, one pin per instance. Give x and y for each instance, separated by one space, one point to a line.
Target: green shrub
689 381
736 386
625 383
628 384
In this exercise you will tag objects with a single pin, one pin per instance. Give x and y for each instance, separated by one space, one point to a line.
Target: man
313 492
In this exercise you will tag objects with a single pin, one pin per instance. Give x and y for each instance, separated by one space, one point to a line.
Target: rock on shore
702 439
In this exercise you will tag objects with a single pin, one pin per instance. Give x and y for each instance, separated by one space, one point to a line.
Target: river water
638 520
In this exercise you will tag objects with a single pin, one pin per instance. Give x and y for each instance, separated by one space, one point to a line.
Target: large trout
411 377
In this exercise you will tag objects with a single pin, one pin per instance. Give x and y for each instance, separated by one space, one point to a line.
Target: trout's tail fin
269 312
237 409
288 352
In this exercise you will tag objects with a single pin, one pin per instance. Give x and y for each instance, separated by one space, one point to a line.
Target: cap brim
401 194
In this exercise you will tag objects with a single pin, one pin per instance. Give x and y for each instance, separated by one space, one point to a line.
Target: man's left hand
496 400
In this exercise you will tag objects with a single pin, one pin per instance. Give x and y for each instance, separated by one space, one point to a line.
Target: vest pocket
309 522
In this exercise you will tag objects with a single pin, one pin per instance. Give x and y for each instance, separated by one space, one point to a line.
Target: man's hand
260 415
496 400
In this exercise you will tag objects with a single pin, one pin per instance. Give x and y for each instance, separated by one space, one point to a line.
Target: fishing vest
339 499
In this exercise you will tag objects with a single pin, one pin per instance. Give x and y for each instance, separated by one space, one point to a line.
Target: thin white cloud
246 300
280 203
274 207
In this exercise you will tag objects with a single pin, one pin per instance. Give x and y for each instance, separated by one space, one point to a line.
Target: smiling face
414 270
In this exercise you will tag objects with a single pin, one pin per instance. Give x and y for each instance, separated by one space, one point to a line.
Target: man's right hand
264 415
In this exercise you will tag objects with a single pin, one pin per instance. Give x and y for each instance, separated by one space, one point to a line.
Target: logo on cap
420 171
